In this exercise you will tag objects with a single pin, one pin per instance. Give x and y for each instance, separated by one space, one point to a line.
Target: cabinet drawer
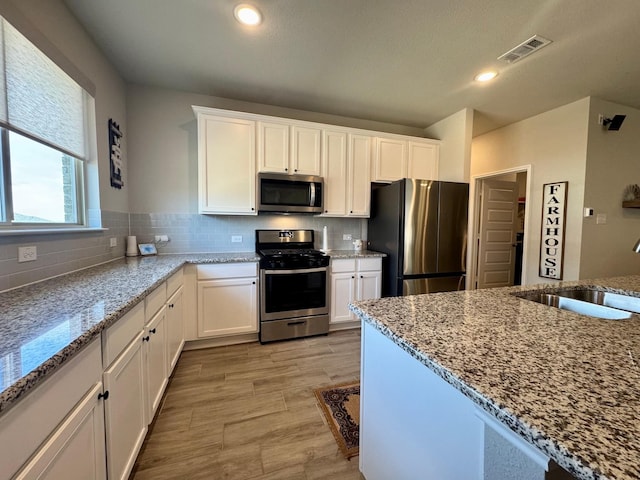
174 282
346 265
154 301
227 270
117 336
369 264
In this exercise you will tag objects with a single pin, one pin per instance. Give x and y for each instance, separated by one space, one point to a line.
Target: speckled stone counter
567 383
44 324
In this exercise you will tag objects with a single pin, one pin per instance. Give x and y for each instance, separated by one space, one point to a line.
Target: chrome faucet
636 247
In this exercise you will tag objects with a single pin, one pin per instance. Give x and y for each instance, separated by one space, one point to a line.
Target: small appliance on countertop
294 285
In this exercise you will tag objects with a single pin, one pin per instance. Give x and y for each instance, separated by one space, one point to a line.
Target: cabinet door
343 292
273 147
227 307
155 353
175 329
423 161
124 410
390 160
227 167
359 184
305 150
76 450
369 285
334 171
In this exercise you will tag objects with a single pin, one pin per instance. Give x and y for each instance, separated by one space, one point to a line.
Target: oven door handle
298 270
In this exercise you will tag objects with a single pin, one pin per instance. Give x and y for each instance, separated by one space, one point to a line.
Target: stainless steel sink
588 301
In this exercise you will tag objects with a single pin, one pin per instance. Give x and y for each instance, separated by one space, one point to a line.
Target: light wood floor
249 412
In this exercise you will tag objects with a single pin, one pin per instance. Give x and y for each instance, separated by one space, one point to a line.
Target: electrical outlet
347 236
601 219
236 238
113 242
27 254
162 238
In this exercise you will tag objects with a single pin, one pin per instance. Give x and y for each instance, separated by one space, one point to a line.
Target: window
44 115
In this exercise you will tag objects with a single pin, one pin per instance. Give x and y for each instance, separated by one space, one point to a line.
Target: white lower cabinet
227 299
125 416
89 420
175 329
76 448
352 280
57 431
155 358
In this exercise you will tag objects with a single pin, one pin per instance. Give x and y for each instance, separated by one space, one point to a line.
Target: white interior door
496 233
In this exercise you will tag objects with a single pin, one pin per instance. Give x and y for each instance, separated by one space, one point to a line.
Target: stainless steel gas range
294 285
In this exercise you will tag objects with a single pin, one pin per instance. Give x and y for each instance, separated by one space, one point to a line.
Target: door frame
475 187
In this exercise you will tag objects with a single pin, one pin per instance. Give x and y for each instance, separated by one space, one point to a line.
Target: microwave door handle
313 194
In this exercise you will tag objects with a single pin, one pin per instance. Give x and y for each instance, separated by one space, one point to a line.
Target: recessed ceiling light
486 76
247 14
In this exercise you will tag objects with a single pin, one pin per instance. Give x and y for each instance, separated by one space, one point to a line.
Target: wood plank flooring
248 412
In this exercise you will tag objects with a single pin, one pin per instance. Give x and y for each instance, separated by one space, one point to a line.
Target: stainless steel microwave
281 193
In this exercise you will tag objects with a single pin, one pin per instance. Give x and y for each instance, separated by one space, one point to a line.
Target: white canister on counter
132 246
357 245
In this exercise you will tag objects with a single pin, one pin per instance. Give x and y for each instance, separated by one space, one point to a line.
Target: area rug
341 407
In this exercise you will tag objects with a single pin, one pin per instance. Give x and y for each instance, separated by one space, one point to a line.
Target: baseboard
220 341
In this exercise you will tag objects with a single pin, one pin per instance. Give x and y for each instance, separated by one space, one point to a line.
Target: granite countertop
44 324
567 383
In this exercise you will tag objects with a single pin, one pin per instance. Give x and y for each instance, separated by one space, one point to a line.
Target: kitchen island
482 384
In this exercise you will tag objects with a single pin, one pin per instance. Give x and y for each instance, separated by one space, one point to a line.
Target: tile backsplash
191 233
188 233
61 253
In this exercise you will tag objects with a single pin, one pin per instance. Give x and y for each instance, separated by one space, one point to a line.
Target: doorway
498 220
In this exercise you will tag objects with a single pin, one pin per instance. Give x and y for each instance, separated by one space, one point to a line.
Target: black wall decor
115 154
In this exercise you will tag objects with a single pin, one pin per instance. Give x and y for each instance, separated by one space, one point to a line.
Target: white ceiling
409 62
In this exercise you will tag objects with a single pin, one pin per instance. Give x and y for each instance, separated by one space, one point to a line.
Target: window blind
38 98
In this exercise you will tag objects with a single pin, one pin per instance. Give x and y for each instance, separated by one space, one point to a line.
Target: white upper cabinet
288 148
404 157
390 160
346 168
334 171
359 198
273 147
423 160
226 165
234 146
305 150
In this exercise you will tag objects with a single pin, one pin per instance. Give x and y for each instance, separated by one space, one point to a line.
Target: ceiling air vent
525 49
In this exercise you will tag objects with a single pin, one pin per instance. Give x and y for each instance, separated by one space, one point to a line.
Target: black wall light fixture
614 123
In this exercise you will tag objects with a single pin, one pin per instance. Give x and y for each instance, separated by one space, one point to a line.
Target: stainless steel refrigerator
422 227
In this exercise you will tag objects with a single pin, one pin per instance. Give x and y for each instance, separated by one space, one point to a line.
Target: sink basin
588 301
609 299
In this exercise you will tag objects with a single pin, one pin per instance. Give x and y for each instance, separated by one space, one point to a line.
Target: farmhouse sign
554 215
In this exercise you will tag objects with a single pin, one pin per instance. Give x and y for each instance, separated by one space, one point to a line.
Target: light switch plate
601 219
113 242
236 238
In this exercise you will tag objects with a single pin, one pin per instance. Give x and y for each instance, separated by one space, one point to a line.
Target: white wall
613 162
455 150
162 143
554 143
